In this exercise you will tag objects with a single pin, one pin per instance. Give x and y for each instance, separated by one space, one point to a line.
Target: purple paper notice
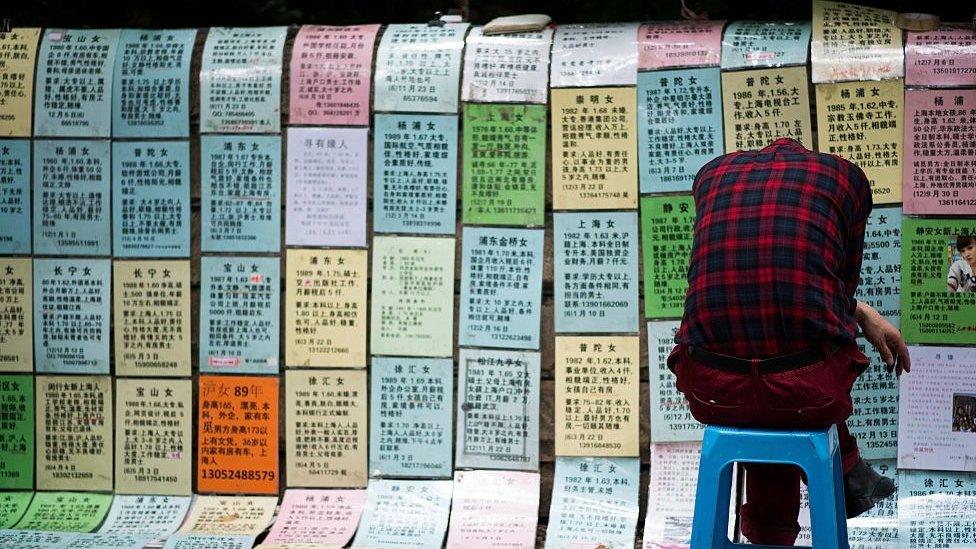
330 75
941 58
940 137
325 517
326 187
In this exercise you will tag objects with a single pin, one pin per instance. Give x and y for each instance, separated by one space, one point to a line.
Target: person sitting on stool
768 333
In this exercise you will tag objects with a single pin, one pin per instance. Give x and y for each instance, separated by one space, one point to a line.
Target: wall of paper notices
414 285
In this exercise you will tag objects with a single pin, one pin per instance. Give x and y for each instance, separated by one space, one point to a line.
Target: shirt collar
784 143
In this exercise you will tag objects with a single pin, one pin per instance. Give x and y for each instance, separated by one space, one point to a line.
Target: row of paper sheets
487 509
594 270
92 197
137 84
926 421
594 502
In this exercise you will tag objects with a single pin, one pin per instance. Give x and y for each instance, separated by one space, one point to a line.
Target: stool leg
828 515
711 521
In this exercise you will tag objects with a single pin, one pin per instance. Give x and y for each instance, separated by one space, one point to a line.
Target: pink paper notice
324 517
679 44
494 509
941 58
940 152
330 75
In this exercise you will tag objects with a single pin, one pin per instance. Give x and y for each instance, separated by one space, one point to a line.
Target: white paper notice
594 55
508 68
937 410
404 513
494 509
852 42
671 495
326 187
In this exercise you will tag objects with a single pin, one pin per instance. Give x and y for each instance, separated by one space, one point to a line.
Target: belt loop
759 393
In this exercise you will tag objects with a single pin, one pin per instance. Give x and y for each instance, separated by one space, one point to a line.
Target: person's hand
885 338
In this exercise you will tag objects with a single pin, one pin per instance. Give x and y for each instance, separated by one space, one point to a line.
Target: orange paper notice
238 434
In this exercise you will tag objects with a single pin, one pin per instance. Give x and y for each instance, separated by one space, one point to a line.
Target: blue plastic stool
816 452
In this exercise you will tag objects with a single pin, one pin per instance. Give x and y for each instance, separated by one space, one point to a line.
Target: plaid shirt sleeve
776 255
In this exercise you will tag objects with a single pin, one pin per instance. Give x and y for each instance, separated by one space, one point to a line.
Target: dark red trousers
813 396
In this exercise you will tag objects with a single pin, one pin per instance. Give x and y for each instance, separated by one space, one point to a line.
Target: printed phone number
236 474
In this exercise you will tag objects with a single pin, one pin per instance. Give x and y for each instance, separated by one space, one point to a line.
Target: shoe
863 488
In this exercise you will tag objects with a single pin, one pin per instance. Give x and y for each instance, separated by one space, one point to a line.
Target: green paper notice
667 223
938 288
16 432
65 512
12 507
504 164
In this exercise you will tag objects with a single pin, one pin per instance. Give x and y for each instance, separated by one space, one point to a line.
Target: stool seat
817 452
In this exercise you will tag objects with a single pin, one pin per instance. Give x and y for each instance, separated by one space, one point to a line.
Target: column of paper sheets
595 286
102 217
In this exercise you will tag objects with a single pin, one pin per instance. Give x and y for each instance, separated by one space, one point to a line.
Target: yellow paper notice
230 515
597 396
18 52
74 433
761 106
325 308
16 312
154 436
325 416
594 148
152 318
862 122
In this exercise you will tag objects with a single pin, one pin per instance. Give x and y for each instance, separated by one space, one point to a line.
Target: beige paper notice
18 52
862 122
326 428
230 515
16 315
152 318
597 396
594 148
760 106
74 433
325 308
412 312
154 436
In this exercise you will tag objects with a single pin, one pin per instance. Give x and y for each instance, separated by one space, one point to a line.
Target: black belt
735 365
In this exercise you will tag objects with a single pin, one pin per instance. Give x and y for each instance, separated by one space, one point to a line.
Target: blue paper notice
240 186
152 83
498 410
501 287
679 126
595 272
671 419
411 410
239 314
72 304
874 422
151 198
747 44
240 80
73 95
594 503
15 196
415 173
72 207
880 285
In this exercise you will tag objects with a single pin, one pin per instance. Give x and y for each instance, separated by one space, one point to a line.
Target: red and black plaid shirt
777 252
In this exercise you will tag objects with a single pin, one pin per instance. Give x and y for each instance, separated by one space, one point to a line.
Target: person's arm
884 337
